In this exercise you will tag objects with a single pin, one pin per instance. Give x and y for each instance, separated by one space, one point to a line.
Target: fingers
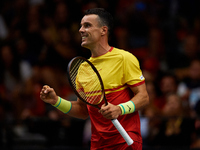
109 111
106 111
48 95
45 90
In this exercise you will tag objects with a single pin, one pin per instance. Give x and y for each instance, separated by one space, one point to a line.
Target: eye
87 25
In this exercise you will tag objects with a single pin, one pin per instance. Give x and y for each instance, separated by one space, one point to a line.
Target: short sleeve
132 72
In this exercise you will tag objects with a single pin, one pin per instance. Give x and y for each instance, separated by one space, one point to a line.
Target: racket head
86 81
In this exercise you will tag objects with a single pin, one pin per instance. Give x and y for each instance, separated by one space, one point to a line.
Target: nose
81 30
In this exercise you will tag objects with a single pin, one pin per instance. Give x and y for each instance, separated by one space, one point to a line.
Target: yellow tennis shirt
119 70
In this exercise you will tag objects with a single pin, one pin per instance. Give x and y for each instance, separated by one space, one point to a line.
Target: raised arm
76 109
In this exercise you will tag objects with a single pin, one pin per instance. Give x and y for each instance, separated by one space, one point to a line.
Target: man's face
90 31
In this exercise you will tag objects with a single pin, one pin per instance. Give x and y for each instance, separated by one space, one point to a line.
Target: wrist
55 101
127 107
63 105
120 110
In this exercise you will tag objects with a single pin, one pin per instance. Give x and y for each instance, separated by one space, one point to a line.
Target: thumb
47 90
46 87
102 106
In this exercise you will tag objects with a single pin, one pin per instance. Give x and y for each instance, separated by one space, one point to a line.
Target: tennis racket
87 84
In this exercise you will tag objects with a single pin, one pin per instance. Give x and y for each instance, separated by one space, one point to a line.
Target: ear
104 30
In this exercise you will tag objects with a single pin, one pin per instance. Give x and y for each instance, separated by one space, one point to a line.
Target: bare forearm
140 100
78 110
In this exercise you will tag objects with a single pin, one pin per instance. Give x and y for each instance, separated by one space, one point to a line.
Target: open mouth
83 38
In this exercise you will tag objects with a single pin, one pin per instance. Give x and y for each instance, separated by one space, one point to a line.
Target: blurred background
39 37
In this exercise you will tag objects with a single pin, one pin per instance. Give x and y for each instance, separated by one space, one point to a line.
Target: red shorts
122 146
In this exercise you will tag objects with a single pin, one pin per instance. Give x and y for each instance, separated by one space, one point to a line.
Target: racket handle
121 130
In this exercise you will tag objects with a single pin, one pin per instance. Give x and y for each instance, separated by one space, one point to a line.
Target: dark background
39 37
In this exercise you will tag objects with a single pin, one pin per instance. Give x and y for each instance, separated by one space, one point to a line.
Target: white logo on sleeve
141 77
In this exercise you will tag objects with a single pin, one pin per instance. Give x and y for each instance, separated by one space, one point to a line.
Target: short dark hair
106 18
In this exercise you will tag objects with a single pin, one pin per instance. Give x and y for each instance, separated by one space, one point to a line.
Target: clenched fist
48 95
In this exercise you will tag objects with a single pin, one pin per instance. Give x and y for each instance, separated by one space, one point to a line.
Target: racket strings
95 89
96 92
75 68
93 93
73 75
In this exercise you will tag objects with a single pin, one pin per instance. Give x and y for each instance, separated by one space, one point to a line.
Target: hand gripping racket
87 84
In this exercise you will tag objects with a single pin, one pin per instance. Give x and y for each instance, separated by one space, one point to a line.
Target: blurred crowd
39 37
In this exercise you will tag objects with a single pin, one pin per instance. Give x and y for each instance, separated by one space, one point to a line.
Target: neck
99 50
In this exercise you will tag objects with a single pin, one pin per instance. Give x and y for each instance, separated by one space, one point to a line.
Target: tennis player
123 82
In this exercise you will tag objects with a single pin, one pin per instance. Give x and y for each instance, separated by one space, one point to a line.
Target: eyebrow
85 23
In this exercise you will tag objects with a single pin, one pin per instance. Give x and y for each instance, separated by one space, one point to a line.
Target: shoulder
123 53
126 56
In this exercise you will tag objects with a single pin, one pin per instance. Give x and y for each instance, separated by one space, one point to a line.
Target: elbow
85 113
84 116
80 116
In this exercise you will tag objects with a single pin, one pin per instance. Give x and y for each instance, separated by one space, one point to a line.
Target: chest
111 72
